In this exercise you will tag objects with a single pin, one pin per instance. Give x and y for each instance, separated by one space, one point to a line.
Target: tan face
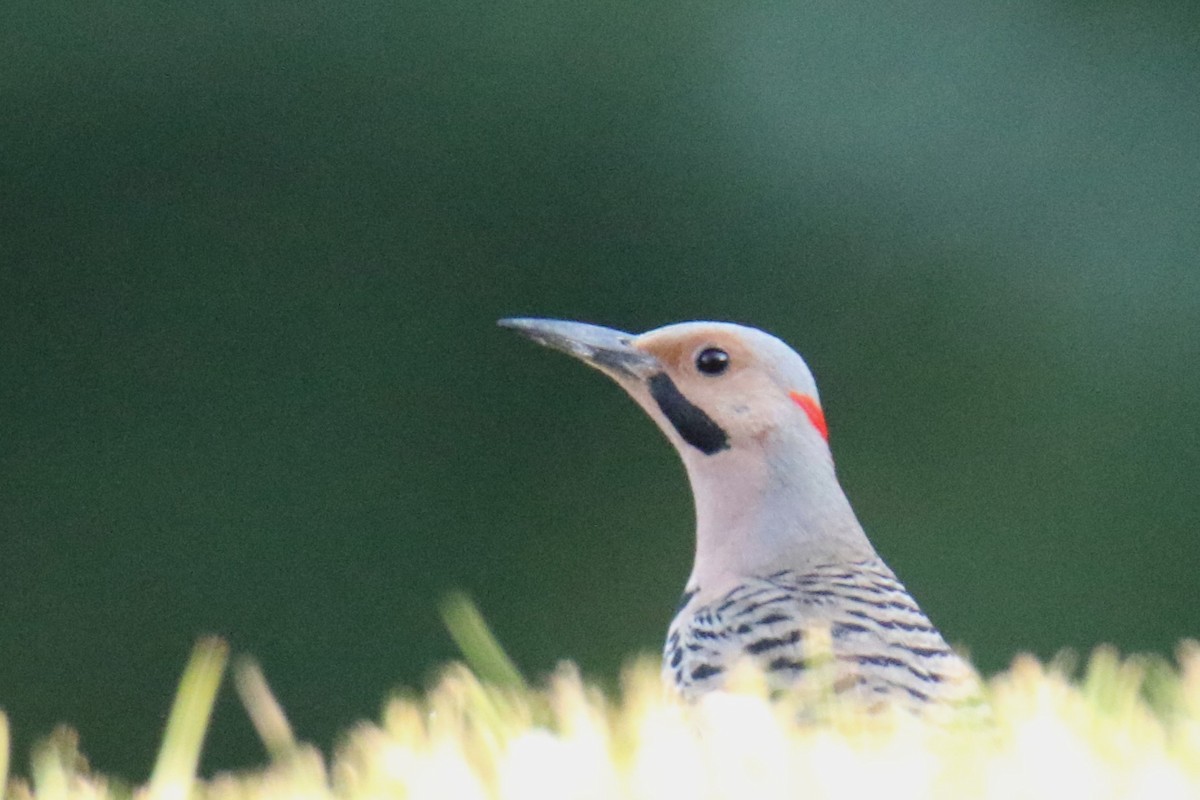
720 375
748 383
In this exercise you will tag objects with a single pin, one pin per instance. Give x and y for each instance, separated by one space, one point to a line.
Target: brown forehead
675 349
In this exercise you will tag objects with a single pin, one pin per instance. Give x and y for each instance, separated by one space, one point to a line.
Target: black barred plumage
883 644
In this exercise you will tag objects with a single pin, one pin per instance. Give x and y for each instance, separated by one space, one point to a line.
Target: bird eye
712 361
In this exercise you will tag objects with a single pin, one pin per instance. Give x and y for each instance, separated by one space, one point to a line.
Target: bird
779 552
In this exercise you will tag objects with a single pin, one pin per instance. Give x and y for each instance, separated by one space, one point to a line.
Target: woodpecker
779 551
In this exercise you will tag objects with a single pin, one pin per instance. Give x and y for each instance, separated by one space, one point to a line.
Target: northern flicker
779 551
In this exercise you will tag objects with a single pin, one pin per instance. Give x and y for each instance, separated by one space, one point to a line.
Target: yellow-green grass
1124 728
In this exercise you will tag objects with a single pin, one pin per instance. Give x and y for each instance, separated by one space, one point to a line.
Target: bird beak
608 350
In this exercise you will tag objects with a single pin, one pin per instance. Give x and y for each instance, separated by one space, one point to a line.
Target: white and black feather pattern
883 644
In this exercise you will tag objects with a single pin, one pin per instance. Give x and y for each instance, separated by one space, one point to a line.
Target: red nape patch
815 415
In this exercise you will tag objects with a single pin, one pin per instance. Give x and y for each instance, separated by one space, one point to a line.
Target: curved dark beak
606 349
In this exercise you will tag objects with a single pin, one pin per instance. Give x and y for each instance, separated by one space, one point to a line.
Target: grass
1122 728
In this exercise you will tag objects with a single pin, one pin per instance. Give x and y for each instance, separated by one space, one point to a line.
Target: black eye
712 361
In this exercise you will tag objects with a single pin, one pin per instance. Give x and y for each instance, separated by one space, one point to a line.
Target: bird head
712 387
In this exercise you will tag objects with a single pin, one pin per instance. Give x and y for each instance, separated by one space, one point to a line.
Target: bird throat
689 420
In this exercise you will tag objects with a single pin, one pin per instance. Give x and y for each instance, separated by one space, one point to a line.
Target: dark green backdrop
252 255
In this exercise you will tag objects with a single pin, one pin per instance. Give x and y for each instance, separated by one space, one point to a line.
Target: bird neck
763 509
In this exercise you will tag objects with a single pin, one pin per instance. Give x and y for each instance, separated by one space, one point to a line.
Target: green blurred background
252 256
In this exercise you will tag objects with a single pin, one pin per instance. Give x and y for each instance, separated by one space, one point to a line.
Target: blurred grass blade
5 746
264 710
56 764
175 770
1046 735
478 644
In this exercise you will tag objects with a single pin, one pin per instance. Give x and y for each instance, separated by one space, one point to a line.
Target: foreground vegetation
1126 728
